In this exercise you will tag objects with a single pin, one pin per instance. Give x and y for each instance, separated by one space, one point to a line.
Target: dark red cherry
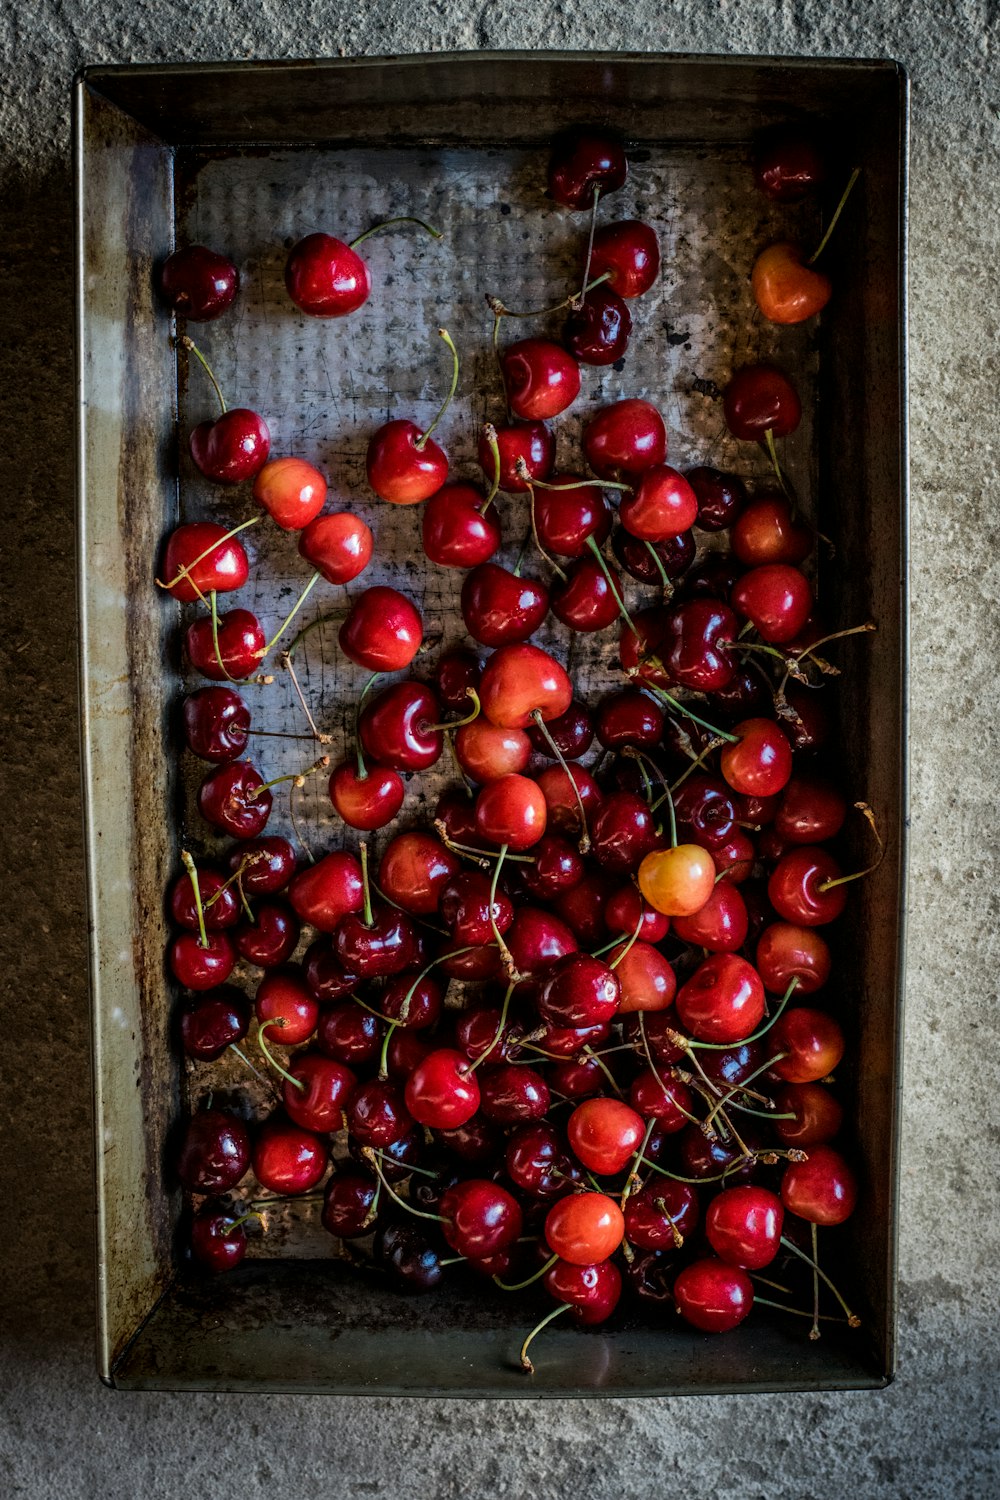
233 797
649 1275
465 908
398 727
573 733
721 497
218 1240
598 333
241 643
454 530
705 812
338 545
761 399
578 991
745 695
786 952
287 1159
456 674
414 871
323 893
720 926
713 1296
372 949
566 518
541 379
413 1263
325 277
585 164
629 253
326 1087
413 1000
536 939
587 598
212 1022
480 1218
271 938
216 724
405 1053
648 561
377 1115
714 578
383 631
626 911
788 164
623 832
625 439
325 977
639 646
232 448
200 966
350 1207
591 1291
656 1211
512 1093
220 906
708 1160
582 906
557 867
349 1034
500 607
201 557
563 804
403 466
478 1033
215 1152
811 810
661 506
537 1161
198 283
530 442
691 648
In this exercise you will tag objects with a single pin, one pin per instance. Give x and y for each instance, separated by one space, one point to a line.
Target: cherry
403 465
662 505
557 868
201 558
713 1296
366 801
734 861
785 286
284 1000
567 517
788 164
625 439
679 881
658 1212
218 904
511 811
806 717
723 1001
215 1152
758 400
541 379
745 695
383 630
653 562
691 647
629 717
556 785
405 1053
414 871
218 1240
714 578
629 253
668 1102
766 532
413 1000
411 1259
349 1035
587 598
776 599
576 1079
339 546
235 652
455 530
811 810
378 942
705 812
480 1218
397 1159
198 965
233 797
760 765
212 1022
653 1029
350 1207
536 939
271 938
709 1160
325 977
813 1042
817 1115
593 1292
466 909
479 1033
721 497
598 333
500 607
216 724
536 1160
582 906
316 1099
578 991
287 1159
398 727
198 283
585 164
232 448
512 1093
527 443
822 1190
743 1226
325 277
648 982
800 888
722 924
377 1115
623 832
626 911
291 491
584 1227
572 733
456 677
441 1091
323 893
519 680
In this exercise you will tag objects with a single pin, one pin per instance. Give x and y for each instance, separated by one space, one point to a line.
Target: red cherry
662 505
327 1085
811 810
786 952
796 887
723 1001
266 865
653 1214
377 1115
241 645
217 1240
626 438
441 1091
705 813
691 648
215 1152
201 967
325 277
585 164
536 939
511 811
220 907
822 1190
500 607
233 797
817 1115
579 991
369 801
777 600
722 924
198 283
743 1226
556 786
584 1227
349 1034
284 999
271 938
216 724
323 893
540 377
287 1159
403 466
350 1207
788 164
513 1093
760 765
465 908
211 1022
215 561
587 598
766 533
591 1291
480 1218
623 832
383 944
520 679
383 631
233 447
566 518
623 912
713 1296
536 1160
486 753
759 399
812 1041
648 982
598 333
530 442
582 906
413 1000
455 531
339 546
398 727
734 861
721 497
456 676
291 491
629 253
414 871
325 977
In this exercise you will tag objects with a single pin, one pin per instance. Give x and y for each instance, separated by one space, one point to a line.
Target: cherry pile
578 1029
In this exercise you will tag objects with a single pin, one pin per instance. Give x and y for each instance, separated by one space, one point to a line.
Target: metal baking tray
249 157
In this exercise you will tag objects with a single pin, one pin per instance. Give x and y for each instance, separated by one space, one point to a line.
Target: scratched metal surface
324 386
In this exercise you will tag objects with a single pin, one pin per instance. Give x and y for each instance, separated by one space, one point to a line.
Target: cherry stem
520 464
633 1177
213 605
391 223
482 857
295 827
291 615
590 248
421 442
518 1286
247 1063
298 777
235 1223
685 712
337 614
699 760
668 587
420 1171
869 816
796 1312
543 729
365 887
688 1042
270 1058
575 301
766 1281
418 1213
362 768
853 1320
595 549
634 938
456 723
814 1330
285 660
192 348
838 635
498 1034
490 434
836 215
554 1313
583 484
772 453
184 571
741 1088
192 871
505 954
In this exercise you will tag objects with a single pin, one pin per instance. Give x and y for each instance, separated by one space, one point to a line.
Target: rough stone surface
934 1432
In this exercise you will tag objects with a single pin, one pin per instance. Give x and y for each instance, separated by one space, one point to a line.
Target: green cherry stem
418 1213
500 310
518 1286
243 1219
456 723
366 889
421 442
391 223
584 289
853 1320
687 713
184 571
836 215
526 1364
192 348
602 564
668 587
192 873
214 607
633 1174
290 616
498 1034
270 1058
543 729
490 434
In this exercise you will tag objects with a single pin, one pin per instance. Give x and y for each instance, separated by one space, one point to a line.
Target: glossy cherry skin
324 975
373 949
215 1152
630 253
566 518
661 506
647 979
811 810
500 607
241 644
220 907
818 1116
585 164
383 631
264 865
691 647
396 727
777 599
530 442
598 333
441 1091
478 1033
414 871
625 439
758 399
512 811
456 676
623 832
338 545
721 497
233 797
806 718
585 600
582 906
217 1241
216 724
541 379
712 1296
746 695
557 786
518 680
287 1159
760 765
536 939
584 1227
465 908
480 1218
708 1160
677 882
349 1034
327 1085
734 861
225 567
654 1213
323 893
232 448
743 1226
408 1255
350 1207
648 561
325 277
722 924
199 967
284 1000
413 1000
626 911
664 1100
795 888
536 1160
788 164
812 1041
513 1093
766 533
629 717
377 1115
271 938
199 283
454 531
785 287
572 732
605 1134
723 1001
578 991
705 812
292 492
212 1022
593 1292
402 466
369 801
822 1190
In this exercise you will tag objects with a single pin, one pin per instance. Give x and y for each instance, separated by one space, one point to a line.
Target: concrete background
934 1432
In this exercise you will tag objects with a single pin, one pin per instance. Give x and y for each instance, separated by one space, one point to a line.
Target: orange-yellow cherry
785 288
678 882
